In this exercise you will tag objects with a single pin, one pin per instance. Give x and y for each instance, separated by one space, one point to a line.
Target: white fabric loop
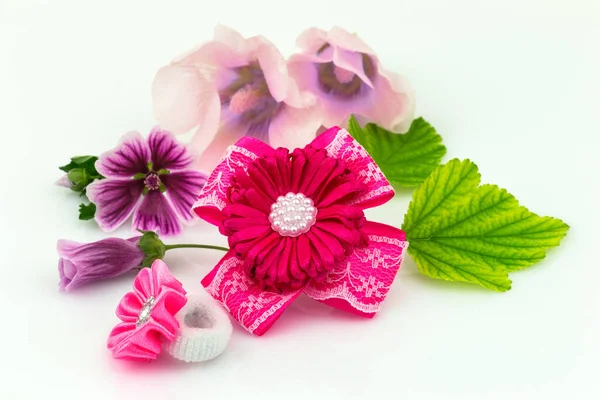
204 330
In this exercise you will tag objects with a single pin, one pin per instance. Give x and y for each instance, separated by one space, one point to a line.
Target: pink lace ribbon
357 284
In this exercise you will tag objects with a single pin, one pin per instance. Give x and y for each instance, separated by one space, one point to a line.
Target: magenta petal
130 157
360 283
115 200
166 152
156 214
213 198
163 279
339 144
129 307
127 342
182 189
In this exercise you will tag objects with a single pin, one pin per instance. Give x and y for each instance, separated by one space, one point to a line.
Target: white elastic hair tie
204 330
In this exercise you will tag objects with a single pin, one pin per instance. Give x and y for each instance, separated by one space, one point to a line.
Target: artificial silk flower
295 223
347 77
155 170
147 314
233 87
82 263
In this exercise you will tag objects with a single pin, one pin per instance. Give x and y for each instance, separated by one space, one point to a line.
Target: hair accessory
295 224
204 330
148 314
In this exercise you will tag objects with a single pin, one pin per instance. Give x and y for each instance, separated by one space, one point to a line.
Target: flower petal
255 309
129 307
392 102
183 188
353 62
184 98
130 157
156 214
213 196
361 281
339 144
163 279
339 37
127 342
312 40
166 152
115 200
294 127
272 65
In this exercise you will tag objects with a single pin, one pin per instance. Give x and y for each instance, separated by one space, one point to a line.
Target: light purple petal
156 214
183 188
115 200
166 152
81 263
64 181
130 157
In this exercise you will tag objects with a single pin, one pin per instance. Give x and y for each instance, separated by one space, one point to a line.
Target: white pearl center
292 214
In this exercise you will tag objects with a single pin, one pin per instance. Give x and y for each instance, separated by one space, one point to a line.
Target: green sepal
405 159
460 231
139 175
163 171
81 171
87 212
153 248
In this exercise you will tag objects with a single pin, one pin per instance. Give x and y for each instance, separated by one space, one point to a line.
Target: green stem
194 246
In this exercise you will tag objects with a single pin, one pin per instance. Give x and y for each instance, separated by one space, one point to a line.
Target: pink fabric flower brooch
295 224
157 313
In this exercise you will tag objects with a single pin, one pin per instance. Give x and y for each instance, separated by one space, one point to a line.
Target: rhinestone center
292 214
145 312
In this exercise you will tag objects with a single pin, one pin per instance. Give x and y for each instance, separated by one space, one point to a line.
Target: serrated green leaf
405 159
87 212
460 231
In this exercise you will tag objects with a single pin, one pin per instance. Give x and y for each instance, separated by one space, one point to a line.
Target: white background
513 85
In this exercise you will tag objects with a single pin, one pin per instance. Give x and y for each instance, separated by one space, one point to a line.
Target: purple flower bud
81 263
64 182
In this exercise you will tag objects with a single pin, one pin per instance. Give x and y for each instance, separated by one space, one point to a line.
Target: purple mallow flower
153 170
81 263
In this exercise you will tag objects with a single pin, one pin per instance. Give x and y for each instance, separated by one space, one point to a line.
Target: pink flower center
152 181
292 214
343 75
243 100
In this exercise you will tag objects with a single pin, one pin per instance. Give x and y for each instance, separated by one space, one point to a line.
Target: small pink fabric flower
295 223
148 314
347 77
154 170
230 88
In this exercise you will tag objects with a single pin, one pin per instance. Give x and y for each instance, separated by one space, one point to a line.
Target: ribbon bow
295 224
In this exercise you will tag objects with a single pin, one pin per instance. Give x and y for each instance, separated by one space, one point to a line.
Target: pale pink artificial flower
233 87
147 314
347 77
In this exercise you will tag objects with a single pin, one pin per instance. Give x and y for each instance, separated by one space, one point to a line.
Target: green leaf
85 162
405 159
87 212
460 231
